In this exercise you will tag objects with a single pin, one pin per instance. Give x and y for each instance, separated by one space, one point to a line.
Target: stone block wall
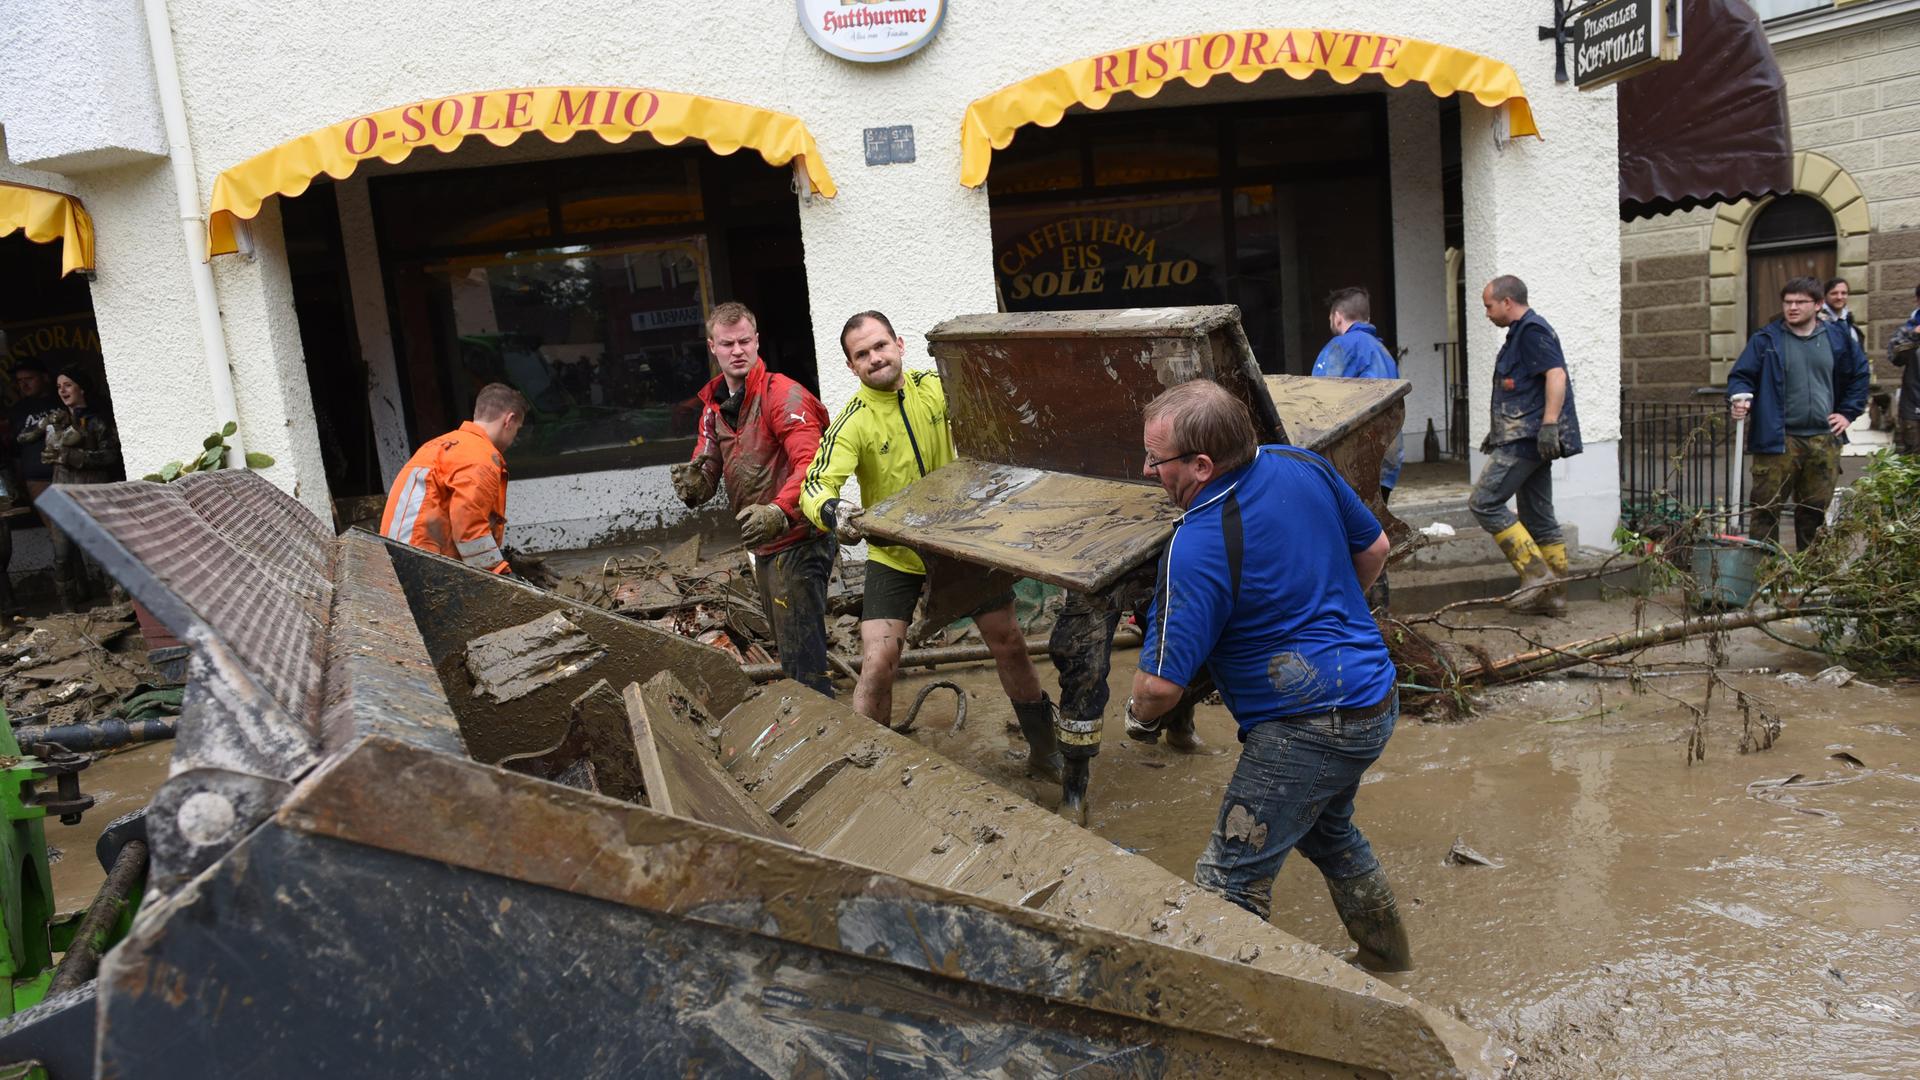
1853 98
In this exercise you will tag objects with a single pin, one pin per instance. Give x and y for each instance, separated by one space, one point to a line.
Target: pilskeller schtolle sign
871 31
1613 40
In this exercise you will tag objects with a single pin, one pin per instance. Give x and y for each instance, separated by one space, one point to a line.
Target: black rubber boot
1036 726
1179 729
1073 789
1366 906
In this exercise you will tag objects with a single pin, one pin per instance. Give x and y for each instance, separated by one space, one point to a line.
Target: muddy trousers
1526 481
1081 649
1293 788
793 589
1802 478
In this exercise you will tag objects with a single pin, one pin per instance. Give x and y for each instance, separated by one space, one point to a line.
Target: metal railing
1453 365
1674 459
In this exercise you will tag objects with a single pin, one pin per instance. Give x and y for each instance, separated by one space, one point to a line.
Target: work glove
690 482
845 515
1486 443
60 455
1549 442
1142 730
761 523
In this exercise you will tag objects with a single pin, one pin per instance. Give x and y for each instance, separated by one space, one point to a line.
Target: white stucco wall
1419 260
907 238
1547 210
76 84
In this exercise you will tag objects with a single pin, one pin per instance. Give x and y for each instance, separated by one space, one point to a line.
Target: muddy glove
691 484
761 524
1548 442
51 454
1142 730
843 515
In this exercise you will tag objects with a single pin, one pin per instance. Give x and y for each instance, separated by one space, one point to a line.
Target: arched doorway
1791 237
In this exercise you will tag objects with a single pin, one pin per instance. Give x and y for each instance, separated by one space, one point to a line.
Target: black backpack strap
1232 534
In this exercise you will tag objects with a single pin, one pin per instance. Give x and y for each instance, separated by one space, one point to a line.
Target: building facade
411 200
1695 285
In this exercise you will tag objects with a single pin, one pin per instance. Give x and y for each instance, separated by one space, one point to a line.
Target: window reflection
607 343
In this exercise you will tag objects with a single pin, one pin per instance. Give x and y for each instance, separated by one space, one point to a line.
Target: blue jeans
1529 482
1293 788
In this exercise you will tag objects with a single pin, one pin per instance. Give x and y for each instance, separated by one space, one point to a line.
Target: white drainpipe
186 187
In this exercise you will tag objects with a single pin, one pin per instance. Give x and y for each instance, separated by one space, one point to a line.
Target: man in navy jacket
1804 381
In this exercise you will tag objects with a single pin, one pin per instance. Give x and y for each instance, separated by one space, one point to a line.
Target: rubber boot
1073 789
1372 919
1179 729
1556 556
1036 726
63 588
1535 595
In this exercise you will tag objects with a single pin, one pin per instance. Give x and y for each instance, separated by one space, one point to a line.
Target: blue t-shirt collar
1216 489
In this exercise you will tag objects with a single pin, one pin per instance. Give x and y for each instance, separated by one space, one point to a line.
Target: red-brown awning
1710 127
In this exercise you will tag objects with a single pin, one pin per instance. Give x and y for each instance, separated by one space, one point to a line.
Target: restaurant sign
1617 38
871 31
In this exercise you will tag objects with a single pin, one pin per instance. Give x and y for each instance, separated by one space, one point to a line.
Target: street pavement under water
1648 917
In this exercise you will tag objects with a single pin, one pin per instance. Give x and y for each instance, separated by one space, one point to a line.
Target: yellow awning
48 216
501 117
1246 55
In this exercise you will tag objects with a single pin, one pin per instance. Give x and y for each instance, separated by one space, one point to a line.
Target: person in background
1534 424
451 496
759 430
1357 353
1806 381
1834 309
79 444
1903 352
33 402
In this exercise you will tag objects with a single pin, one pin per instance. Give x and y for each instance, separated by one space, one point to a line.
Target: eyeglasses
1155 465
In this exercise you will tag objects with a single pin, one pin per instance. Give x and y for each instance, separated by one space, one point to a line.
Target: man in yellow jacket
892 433
451 496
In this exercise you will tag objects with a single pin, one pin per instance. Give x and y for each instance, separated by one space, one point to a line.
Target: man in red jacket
760 430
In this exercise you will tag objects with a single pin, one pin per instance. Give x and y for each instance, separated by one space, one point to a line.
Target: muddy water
1650 918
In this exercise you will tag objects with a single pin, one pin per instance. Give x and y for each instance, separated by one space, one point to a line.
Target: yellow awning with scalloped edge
47 216
501 117
1246 55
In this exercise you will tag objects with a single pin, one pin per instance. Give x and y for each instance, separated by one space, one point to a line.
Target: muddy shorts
893 594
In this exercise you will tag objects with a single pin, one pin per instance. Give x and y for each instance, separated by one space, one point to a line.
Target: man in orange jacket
759 431
451 496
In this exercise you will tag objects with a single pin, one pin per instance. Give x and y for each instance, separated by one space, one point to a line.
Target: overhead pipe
186 189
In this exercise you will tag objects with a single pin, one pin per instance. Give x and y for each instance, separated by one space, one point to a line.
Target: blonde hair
729 313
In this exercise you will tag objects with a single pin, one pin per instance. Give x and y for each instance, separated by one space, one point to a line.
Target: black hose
959 708
105 734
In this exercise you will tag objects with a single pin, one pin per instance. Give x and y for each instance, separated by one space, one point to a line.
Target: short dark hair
1206 419
1353 301
729 313
1831 282
498 399
1803 286
854 324
28 363
1508 287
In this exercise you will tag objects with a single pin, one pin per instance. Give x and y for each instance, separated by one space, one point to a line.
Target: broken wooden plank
682 776
514 662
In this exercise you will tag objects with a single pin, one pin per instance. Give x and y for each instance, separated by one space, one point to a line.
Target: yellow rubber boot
1556 556
1535 595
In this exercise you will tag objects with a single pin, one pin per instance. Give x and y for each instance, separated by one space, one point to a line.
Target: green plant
211 455
1865 568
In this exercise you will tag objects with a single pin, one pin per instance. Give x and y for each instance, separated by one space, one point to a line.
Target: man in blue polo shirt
1290 645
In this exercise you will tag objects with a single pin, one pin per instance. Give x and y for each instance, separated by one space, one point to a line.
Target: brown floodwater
1649 917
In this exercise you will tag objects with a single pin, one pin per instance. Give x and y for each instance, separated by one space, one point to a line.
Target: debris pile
75 669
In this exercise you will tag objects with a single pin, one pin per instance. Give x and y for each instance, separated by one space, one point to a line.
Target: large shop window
585 284
1269 205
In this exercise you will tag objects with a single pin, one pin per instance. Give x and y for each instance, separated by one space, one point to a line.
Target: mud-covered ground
1650 917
